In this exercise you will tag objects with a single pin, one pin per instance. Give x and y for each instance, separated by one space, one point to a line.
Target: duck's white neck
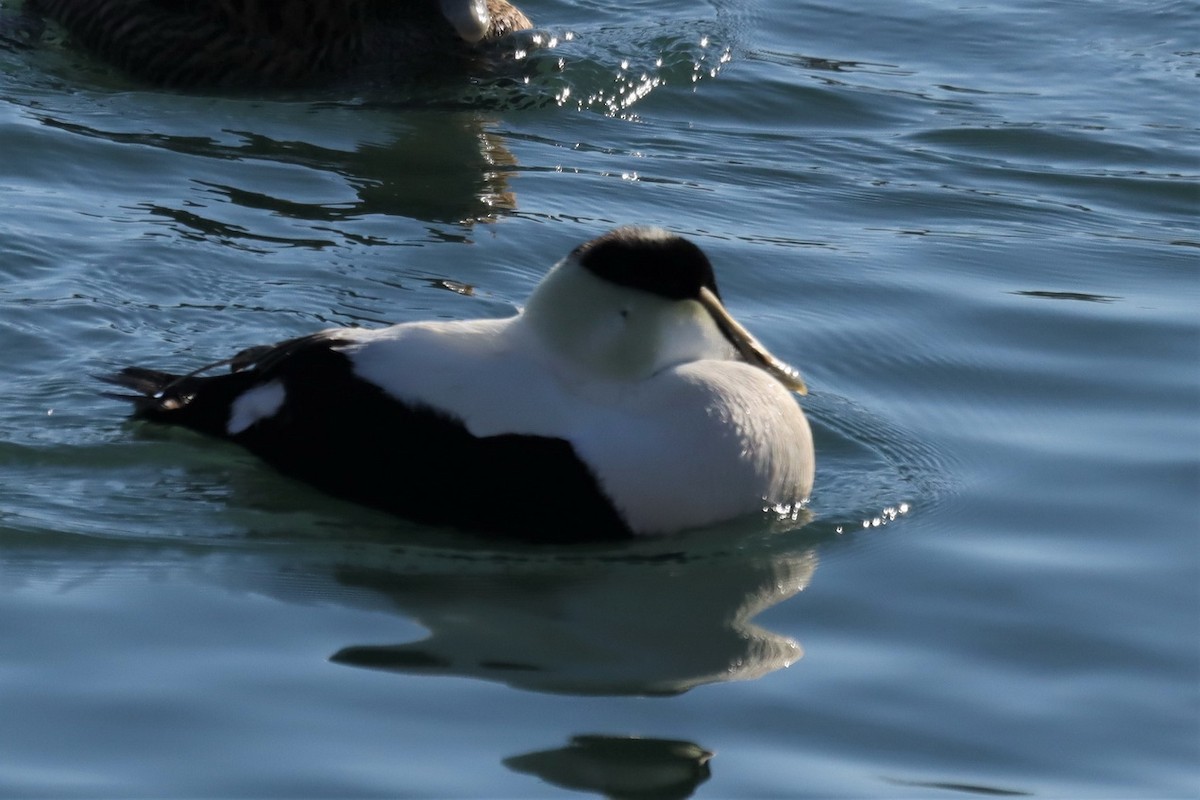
617 333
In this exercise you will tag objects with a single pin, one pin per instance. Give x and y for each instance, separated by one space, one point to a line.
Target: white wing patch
257 404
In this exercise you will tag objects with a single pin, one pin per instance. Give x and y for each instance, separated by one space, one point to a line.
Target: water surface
973 228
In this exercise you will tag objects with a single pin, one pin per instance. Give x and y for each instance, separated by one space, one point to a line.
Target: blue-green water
974 228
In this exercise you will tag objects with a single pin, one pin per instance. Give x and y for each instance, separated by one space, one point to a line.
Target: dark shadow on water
961 788
620 767
1082 296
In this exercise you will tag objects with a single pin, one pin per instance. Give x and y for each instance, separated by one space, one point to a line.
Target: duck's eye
624 313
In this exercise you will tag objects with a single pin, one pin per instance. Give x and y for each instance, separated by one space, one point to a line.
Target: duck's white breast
700 443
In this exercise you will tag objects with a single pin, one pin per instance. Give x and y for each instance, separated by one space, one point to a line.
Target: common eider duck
279 43
623 400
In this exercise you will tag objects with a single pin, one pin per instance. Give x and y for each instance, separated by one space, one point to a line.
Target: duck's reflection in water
425 166
628 622
435 167
649 618
620 766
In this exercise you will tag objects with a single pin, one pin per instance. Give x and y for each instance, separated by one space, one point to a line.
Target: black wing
350 438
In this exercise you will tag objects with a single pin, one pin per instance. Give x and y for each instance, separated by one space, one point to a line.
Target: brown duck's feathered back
264 43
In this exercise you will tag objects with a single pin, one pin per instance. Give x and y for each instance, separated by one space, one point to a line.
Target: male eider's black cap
650 259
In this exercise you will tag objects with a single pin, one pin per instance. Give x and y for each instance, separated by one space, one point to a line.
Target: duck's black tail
200 403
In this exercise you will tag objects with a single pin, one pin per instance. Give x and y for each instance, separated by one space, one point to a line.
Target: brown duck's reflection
425 165
624 623
620 767
433 167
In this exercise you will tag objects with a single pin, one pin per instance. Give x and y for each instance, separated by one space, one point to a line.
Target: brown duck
280 43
